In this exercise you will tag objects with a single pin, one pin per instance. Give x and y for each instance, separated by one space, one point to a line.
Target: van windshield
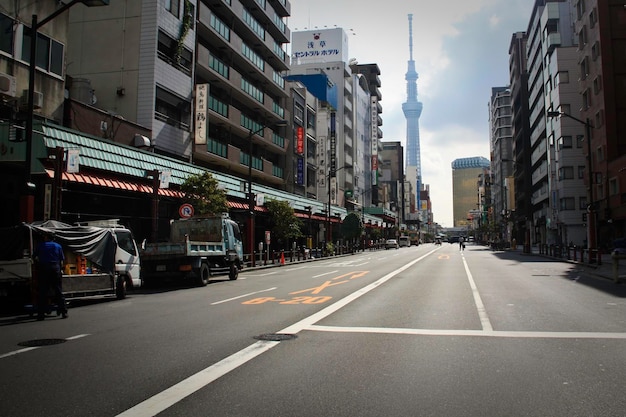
125 241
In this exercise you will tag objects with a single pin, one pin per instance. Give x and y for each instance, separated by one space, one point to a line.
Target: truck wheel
120 288
203 275
233 274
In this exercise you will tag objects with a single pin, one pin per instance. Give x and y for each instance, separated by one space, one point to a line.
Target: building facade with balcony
600 29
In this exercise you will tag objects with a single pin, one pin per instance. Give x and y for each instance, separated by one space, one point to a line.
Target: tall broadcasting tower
412 110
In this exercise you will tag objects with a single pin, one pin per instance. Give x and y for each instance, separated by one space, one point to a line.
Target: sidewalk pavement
603 270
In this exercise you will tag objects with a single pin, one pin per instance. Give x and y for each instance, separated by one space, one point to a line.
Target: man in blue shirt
49 257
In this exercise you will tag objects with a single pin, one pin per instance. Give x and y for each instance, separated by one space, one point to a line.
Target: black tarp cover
96 244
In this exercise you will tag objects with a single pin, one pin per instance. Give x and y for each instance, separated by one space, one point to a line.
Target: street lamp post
250 195
28 198
591 214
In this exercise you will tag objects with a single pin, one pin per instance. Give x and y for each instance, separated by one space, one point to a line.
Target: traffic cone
282 258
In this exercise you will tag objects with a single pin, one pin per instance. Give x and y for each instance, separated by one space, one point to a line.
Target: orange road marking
444 257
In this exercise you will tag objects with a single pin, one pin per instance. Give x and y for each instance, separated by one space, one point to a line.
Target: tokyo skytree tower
412 110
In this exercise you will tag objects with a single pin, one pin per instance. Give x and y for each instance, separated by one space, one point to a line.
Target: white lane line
295 269
478 333
17 352
78 336
326 273
482 312
242 296
156 404
260 275
165 399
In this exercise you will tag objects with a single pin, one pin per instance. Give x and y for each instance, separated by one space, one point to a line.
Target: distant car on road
391 244
404 241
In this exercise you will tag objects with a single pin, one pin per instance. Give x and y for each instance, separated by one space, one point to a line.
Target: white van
127 262
404 241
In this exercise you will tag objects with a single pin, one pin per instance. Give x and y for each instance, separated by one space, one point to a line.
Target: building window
566 173
581 172
7 38
172 109
593 17
582 203
613 187
173 6
166 50
597 84
586 99
580 9
49 56
599 118
562 77
567 203
582 37
595 50
565 142
579 141
584 68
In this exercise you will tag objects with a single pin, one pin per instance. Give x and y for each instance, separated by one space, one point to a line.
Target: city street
418 331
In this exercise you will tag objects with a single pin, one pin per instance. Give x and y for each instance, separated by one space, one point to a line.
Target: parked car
391 244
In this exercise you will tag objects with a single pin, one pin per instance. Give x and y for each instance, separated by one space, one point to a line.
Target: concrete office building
465 198
568 203
555 187
501 148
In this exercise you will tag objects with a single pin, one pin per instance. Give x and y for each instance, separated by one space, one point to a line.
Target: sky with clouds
460 49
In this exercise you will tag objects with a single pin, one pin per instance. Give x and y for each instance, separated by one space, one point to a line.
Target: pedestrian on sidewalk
49 257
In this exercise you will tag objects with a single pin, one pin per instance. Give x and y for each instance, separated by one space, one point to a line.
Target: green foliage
203 193
351 228
286 225
184 29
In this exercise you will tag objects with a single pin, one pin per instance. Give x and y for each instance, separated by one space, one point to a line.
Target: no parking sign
185 210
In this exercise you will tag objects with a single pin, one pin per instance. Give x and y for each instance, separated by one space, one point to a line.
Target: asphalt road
419 331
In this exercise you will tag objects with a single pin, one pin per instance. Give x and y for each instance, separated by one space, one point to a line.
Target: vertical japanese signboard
374 132
201 113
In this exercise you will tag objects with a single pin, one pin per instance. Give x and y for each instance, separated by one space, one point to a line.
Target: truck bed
164 250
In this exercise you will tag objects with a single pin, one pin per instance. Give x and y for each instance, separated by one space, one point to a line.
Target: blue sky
460 52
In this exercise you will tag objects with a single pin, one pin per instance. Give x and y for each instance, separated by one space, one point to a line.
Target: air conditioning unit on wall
37 99
7 85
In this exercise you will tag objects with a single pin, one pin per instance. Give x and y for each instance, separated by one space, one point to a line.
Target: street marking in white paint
325 273
78 336
482 312
165 399
478 333
242 296
156 404
295 269
17 352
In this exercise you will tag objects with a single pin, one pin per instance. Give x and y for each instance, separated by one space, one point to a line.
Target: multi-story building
555 187
371 152
566 136
501 147
465 197
326 52
521 206
599 26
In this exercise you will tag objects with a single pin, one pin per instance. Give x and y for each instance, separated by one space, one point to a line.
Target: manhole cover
41 342
276 337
